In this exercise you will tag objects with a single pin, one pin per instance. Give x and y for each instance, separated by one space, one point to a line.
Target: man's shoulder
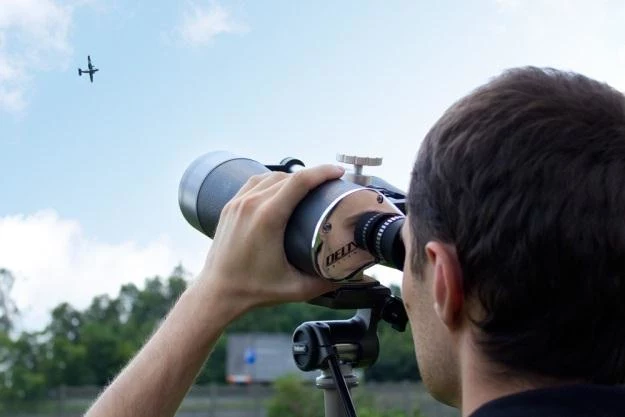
567 401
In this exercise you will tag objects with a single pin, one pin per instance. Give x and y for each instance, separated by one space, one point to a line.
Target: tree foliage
90 346
8 309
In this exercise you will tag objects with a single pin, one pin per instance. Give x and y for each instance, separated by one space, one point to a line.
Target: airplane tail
79 71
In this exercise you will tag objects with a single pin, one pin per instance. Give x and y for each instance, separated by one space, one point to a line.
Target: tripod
336 347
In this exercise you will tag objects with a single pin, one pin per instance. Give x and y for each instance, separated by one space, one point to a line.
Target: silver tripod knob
358 161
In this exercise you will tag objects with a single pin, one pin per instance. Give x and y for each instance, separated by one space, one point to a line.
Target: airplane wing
91 75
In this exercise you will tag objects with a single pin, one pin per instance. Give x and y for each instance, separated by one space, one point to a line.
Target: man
514 280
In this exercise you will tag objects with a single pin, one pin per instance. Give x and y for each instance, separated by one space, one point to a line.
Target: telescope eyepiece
379 233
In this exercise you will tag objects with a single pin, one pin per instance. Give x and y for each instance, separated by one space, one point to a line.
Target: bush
296 398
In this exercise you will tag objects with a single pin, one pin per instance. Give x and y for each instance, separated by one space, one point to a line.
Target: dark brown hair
526 178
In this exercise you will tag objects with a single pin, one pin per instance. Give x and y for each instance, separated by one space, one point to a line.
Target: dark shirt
564 401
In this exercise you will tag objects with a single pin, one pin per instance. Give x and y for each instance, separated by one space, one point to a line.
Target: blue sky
90 172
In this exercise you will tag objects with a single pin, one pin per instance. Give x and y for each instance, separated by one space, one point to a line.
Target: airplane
92 70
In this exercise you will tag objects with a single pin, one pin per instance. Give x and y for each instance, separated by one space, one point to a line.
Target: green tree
396 361
66 353
106 354
24 378
8 308
22 367
65 322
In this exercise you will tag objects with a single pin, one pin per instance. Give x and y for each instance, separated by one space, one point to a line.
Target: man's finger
251 183
302 182
260 182
269 182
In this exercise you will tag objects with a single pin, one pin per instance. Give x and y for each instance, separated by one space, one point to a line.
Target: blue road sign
250 356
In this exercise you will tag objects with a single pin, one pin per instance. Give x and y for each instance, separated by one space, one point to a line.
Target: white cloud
200 24
41 24
33 36
55 261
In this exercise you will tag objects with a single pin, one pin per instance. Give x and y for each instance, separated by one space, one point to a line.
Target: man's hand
247 263
245 267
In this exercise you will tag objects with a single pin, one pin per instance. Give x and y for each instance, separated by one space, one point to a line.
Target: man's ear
447 283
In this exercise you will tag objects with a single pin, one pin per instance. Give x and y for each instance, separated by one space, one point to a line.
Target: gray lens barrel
209 183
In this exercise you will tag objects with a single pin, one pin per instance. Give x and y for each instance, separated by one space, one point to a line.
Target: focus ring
365 230
380 234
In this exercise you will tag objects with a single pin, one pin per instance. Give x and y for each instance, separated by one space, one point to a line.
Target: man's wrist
212 300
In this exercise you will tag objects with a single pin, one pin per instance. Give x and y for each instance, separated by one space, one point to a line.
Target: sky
90 172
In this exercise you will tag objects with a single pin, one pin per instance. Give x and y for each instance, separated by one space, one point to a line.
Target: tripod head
355 340
341 345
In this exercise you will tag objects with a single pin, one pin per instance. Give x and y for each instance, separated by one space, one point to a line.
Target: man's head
516 232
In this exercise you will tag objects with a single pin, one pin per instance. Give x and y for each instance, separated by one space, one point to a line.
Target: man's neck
482 382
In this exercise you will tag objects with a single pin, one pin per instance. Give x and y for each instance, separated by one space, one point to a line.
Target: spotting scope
340 228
